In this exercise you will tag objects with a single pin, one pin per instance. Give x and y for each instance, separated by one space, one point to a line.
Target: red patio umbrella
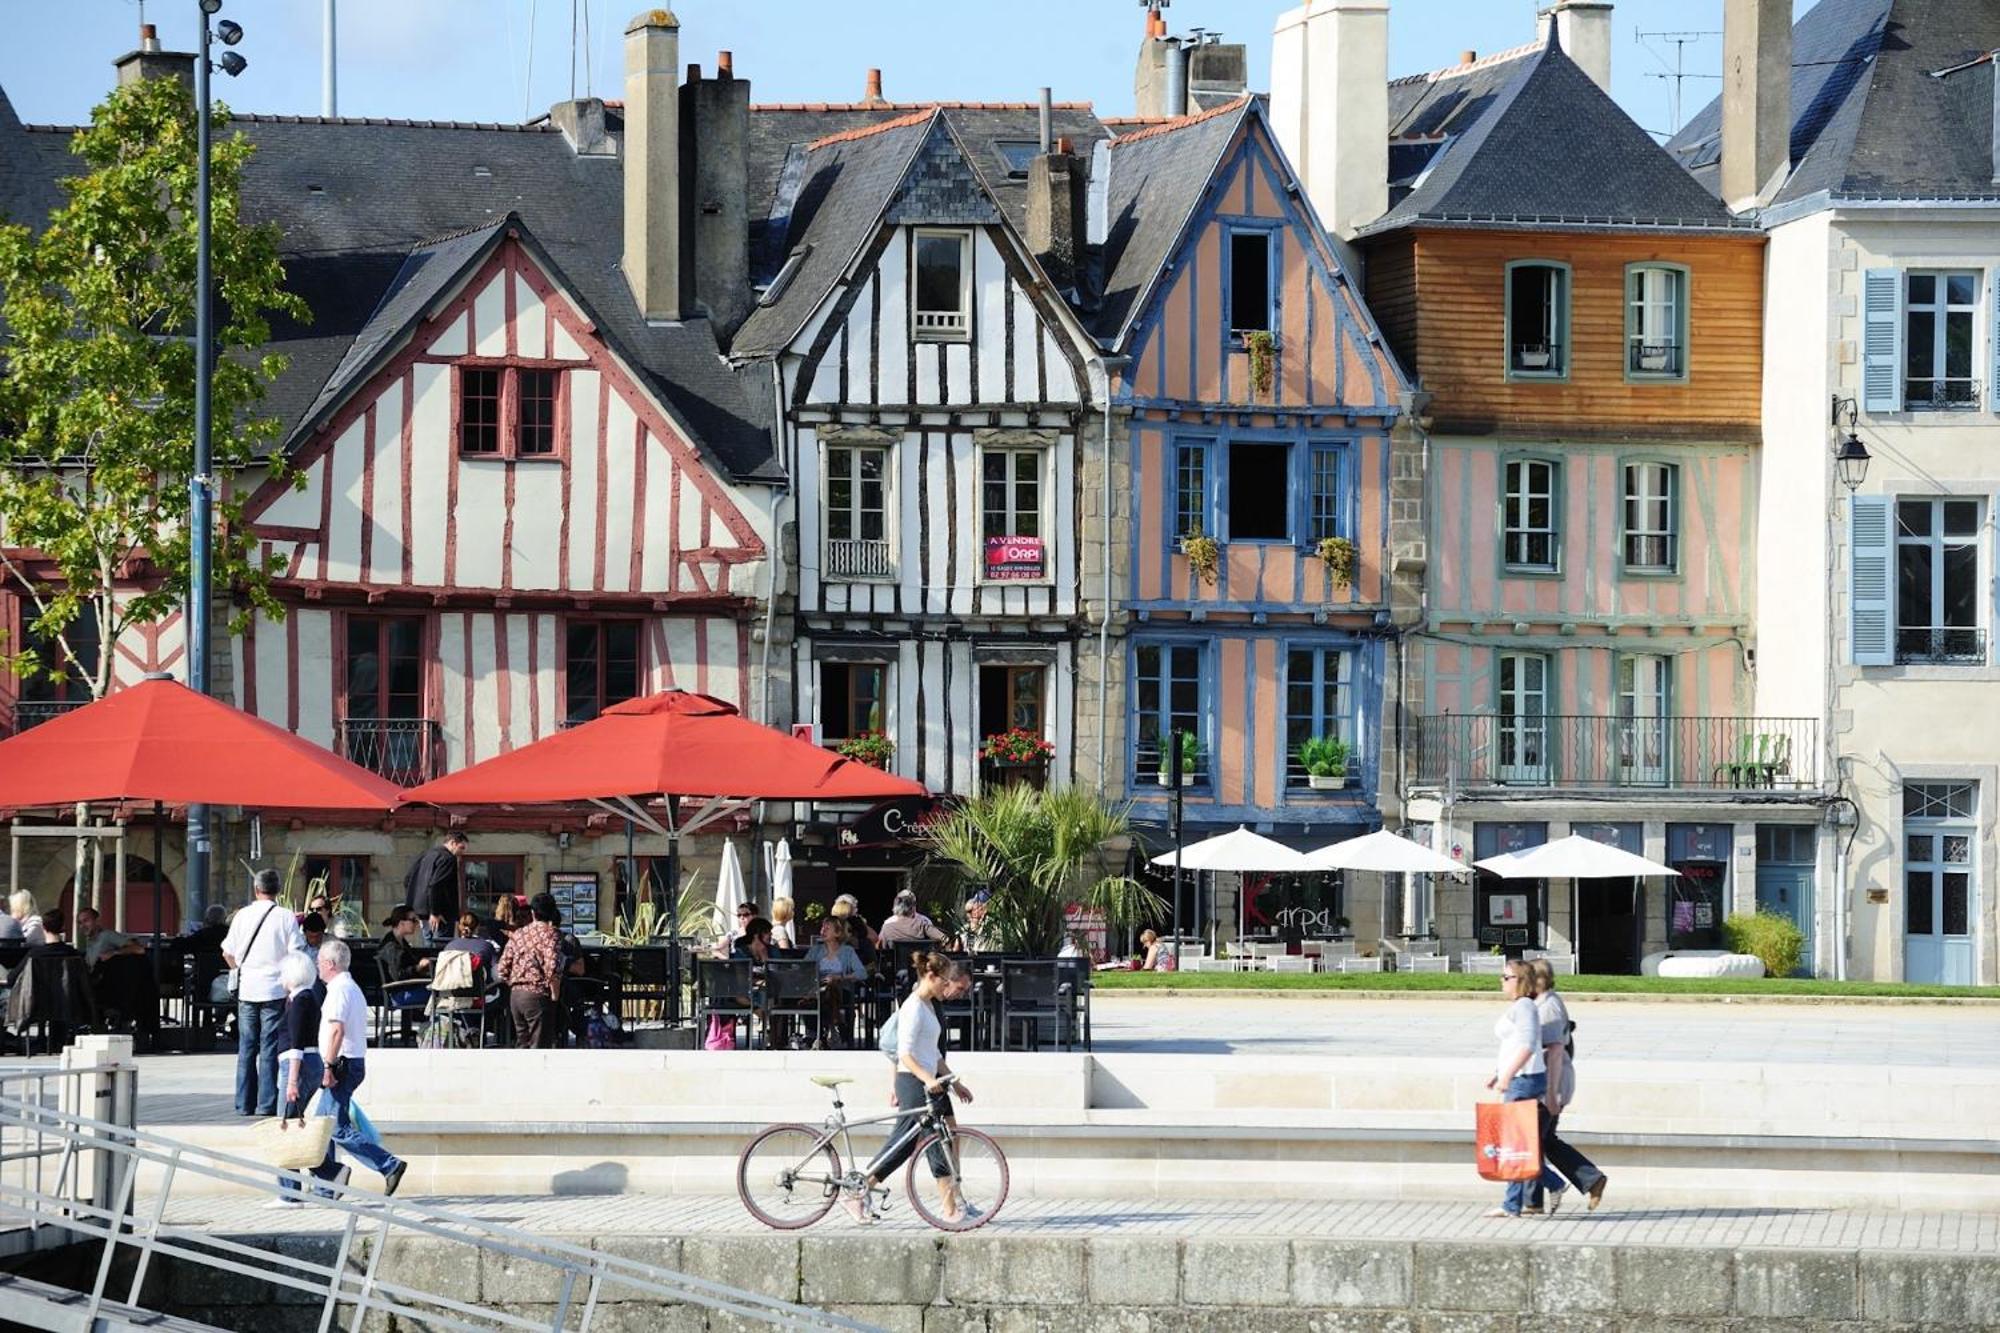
162 742
676 745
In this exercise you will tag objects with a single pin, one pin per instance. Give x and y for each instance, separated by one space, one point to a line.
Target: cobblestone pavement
1747 1226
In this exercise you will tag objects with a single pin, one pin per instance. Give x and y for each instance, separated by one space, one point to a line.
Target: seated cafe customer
399 951
119 971
840 977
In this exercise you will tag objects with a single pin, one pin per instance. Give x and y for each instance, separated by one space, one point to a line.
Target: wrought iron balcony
1654 358
405 750
1465 752
1538 358
34 712
1952 394
1943 645
856 559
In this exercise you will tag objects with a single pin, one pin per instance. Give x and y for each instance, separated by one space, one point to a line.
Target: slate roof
1871 119
1548 148
1158 175
1425 109
355 199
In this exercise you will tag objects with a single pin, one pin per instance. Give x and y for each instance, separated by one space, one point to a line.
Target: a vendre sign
1013 557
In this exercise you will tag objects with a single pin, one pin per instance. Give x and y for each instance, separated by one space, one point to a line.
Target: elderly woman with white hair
21 906
300 1060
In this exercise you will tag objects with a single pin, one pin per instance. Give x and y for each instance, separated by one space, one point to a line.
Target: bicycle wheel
979 1170
787 1177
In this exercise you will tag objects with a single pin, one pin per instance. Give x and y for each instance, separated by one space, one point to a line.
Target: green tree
97 380
1037 853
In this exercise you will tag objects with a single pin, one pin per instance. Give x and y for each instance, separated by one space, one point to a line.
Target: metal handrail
585 1274
1735 754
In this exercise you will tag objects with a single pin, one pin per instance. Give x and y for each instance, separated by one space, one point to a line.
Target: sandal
1499 1212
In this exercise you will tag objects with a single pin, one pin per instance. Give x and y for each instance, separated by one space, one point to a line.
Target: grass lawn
1490 985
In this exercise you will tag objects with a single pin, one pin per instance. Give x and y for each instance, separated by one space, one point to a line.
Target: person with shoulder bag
1521 1071
1559 1050
920 1082
260 937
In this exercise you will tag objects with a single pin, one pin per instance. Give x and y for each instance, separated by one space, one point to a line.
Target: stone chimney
583 123
1756 98
1330 106
1056 217
652 260
150 62
1149 77
715 170
1583 30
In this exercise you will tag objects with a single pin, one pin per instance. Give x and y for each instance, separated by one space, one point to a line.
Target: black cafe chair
1031 994
728 991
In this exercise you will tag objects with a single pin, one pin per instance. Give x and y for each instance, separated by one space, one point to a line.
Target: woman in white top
1521 1073
1582 1172
21 906
920 1075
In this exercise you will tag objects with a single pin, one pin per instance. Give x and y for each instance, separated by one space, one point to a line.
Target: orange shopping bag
1510 1140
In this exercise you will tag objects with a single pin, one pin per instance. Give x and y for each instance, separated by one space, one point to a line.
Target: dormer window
1537 320
942 289
510 412
1250 282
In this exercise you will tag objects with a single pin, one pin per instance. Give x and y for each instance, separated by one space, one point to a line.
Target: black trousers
902 1140
1580 1170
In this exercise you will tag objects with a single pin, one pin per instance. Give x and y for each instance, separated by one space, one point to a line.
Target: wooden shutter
1882 340
1871 558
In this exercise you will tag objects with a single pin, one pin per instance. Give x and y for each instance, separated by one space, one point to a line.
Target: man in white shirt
343 1053
259 937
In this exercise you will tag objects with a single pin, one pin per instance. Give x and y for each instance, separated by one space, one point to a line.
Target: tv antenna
1676 73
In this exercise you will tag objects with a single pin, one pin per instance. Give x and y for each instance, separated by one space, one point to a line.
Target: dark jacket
399 960
431 888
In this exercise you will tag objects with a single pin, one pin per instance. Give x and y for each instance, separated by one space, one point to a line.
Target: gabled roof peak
870 131
1183 122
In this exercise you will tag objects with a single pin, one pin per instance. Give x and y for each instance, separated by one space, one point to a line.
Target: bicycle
789 1176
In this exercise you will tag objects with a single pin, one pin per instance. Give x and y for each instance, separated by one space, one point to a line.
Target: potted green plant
1325 761
1017 755
1190 756
870 747
1263 349
1338 555
1204 554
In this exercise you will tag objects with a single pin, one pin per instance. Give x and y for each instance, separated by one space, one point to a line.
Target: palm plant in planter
1325 762
1204 554
1190 756
870 747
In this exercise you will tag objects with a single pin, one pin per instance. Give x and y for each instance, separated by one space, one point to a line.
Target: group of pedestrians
1536 1063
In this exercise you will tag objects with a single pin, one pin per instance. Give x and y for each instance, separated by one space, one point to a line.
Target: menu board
575 892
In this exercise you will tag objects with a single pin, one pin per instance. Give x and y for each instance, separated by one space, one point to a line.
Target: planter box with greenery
1325 761
870 747
1190 757
1017 755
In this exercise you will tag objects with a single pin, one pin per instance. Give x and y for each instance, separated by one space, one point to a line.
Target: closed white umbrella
729 891
1574 857
1390 853
781 882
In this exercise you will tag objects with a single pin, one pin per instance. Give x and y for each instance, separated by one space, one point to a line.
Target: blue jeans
259 1028
347 1136
1529 1088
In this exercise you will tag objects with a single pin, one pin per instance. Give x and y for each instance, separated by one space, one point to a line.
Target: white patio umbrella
1239 852
1574 857
779 875
1388 854
729 891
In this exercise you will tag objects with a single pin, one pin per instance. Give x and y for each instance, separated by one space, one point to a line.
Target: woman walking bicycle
921 1079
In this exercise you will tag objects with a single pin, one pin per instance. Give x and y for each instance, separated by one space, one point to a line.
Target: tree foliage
97 382
1037 853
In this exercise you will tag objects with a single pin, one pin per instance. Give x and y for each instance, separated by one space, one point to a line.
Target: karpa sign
1013 557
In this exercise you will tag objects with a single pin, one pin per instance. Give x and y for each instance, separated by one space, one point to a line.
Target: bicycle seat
830 1080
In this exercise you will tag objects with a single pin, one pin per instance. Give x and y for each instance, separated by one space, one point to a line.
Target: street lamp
1850 456
201 486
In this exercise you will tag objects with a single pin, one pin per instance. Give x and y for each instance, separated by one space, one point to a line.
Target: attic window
1250 282
1018 154
771 294
315 189
942 284
482 171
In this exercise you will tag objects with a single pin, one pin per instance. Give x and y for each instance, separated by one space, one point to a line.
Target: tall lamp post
1850 465
1175 763
201 485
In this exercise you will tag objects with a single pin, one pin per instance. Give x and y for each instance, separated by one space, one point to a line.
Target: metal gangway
75 1169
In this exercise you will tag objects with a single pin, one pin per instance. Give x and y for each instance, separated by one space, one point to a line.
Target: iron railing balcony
1941 645
1943 394
405 750
34 712
1471 751
854 558
1537 358
1654 358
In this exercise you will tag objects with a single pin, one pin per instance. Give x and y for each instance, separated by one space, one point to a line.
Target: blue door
1940 892
1785 864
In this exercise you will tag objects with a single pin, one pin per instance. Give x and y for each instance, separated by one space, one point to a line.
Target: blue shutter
1882 340
1993 347
1871 551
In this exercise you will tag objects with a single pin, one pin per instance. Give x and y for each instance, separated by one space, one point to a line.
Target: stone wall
997 1283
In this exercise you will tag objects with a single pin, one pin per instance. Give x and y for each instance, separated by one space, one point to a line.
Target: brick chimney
1056 214
1330 106
150 62
1583 30
871 95
715 201
1756 98
652 259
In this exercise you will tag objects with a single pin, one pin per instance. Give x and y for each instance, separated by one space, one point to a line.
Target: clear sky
471 59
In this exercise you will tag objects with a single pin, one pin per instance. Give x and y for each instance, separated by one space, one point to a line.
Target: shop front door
1608 926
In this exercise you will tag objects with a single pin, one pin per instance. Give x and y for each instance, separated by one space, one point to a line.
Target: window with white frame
1168 692
1317 685
1524 718
1323 498
1938 582
1656 322
1652 543
1011 513
1191 487
1537 320
857 513
1939 311
1529 526
941 286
